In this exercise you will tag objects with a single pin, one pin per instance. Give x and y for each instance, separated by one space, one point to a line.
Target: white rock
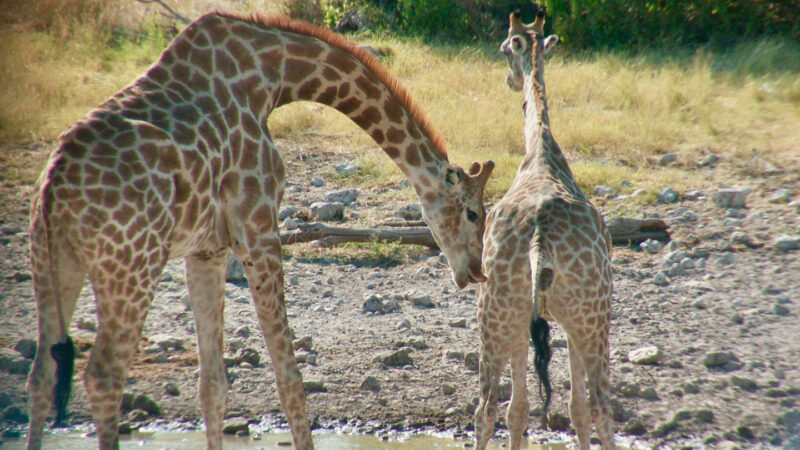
235 269
731 198
651 246
347 169
346 196
786 243
667 195
327 211
661 279
318 182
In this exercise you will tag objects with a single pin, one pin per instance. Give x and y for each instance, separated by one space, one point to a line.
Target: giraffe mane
365 57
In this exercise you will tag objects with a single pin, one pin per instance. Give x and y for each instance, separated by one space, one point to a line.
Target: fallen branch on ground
623 230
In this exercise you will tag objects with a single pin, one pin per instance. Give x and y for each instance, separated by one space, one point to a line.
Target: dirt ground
723 315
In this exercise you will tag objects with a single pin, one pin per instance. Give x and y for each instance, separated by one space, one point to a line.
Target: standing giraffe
546 258
181 164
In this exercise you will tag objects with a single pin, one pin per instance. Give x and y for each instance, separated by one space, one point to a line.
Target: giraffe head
519 47
456 218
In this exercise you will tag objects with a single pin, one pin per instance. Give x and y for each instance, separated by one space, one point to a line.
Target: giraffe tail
542 278
63 352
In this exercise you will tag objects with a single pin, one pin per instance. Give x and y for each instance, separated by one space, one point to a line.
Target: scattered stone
370 384
167 342
651 246
26 348
786 243
14 414
458 323
471 361
667 159
454 354
448 389
87 325
745 432
172 389
411 211
235 270
691 388
649 394
694 195
327 211
604 191
344 196
287 212
305 357
790 420
741 238
403 325
235 344
661 279
726 259
418 343
399 358
235 425
243 331
558 422
145 403
682 415
248 355
373 303
12 362
419 299
667 195
628 389
780 310
317 181
138 415
645 355
347 169
304 343
781 196
708 160
731 198
312 387
715 360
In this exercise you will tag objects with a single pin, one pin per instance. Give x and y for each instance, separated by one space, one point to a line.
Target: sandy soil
724 320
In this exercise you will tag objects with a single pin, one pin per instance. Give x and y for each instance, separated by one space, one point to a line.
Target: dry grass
604 108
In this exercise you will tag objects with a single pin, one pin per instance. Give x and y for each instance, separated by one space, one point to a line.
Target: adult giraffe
181 164
546 258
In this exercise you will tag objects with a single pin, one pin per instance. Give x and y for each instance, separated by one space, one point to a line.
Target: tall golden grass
603 107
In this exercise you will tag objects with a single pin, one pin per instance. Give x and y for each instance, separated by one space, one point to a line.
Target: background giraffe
181 164
546 258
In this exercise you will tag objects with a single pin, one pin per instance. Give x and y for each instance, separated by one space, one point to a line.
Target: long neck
256 67
542 154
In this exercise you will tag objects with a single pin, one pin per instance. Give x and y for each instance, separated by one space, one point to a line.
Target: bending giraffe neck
257 64
542 154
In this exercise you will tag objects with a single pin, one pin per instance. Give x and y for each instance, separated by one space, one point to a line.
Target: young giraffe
181 164
543 229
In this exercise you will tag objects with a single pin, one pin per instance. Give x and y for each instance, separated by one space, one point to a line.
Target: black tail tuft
64 354
540 337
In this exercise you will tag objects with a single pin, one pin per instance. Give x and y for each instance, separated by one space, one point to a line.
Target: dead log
623 230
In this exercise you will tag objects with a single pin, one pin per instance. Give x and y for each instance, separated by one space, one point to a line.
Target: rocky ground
705 347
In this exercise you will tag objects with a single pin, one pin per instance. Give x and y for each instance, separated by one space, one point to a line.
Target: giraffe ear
550 42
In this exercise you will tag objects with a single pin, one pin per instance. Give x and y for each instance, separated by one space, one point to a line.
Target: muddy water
322 441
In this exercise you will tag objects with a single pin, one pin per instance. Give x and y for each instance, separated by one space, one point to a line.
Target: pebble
418 343
448 389
327 211
87 325
731 198
718 359
235 425
317 181
371 384
667 159
747 384
781 196
458 323
661 279
741 238
344 196
312 387
172 389
242 331
138 415
645 355
786 243
651 246
454 354
347 169
399 358
708 160
167 342
704 415
726 259
667 195
780 310
471 361
145 403
248 355
419 299
411 211
235 270
635 428
26 348
604 191
304 343
287 212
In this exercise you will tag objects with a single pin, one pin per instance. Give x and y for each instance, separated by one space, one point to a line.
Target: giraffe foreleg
266 285
205 278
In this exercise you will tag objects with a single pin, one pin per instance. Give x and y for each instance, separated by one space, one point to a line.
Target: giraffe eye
472 216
